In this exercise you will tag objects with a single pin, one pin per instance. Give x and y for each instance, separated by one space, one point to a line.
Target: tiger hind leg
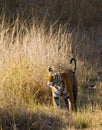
75 100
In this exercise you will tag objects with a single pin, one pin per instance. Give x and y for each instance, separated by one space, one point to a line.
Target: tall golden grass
25 56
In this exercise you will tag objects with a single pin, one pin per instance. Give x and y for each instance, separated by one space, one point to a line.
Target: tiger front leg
56 102
55 99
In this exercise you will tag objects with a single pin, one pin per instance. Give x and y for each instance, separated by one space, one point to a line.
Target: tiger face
54 78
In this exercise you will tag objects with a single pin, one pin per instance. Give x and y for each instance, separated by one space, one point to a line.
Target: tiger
63 83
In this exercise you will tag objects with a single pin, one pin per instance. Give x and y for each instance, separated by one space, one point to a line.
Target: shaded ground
38 120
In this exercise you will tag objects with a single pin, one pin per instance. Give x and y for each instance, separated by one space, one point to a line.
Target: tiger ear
50 69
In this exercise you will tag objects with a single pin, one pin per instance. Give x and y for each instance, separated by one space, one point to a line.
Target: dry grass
88 119
25 56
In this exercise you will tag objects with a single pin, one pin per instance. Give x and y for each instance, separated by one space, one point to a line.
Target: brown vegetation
84 13
28 47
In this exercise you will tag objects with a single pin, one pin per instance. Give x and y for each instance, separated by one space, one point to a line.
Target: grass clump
87 118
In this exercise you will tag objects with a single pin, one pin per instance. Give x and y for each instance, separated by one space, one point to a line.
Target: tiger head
54 78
